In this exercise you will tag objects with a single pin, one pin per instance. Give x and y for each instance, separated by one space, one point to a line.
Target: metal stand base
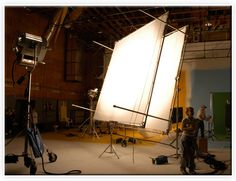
112 149
176 155
91 125
92 130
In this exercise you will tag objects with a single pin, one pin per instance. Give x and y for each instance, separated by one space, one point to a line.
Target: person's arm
202 116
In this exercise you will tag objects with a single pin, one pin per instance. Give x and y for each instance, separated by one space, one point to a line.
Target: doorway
220 103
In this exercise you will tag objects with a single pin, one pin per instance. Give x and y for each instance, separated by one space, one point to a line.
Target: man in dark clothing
188 142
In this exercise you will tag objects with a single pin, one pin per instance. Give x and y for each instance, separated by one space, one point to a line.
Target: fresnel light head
30 49
92 93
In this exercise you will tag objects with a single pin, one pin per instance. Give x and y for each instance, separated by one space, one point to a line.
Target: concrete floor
77 151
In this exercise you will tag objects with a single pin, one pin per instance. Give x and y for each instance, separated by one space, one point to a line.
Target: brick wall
48 81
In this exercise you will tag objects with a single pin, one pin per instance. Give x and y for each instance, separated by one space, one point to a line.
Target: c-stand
32 136
177 118
27 159
92 94
177 89
29 162
91 126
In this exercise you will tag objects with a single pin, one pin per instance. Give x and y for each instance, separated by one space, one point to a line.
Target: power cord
34 139
12 72
74 172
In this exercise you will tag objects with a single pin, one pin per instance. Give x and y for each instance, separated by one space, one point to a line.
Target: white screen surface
164 87
130 74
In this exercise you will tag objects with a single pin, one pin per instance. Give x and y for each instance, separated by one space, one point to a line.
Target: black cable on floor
71 172
34 139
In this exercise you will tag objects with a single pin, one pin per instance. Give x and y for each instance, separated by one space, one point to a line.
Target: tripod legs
91 128
176 155
112 149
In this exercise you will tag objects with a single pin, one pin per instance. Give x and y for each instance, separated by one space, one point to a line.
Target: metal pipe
83 107
115 106
103 45
154 79
163 22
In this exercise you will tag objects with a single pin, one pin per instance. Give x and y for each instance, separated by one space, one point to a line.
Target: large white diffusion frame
164 86
130 76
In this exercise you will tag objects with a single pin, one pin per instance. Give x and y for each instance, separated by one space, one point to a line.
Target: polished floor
96 154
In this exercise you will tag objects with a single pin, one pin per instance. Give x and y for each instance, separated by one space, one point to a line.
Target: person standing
201 116
188 144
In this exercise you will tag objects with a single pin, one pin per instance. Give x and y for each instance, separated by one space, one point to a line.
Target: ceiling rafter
111 23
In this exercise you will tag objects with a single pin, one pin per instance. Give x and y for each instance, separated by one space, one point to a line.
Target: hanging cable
12 72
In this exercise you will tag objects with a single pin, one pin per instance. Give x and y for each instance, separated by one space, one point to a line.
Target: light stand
112 149
177 116
28 161
92 127
177 103
30 50
176 140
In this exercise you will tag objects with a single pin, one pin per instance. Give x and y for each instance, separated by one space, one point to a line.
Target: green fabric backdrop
219 100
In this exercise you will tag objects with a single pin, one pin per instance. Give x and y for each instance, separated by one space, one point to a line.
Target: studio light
92 93
30 49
